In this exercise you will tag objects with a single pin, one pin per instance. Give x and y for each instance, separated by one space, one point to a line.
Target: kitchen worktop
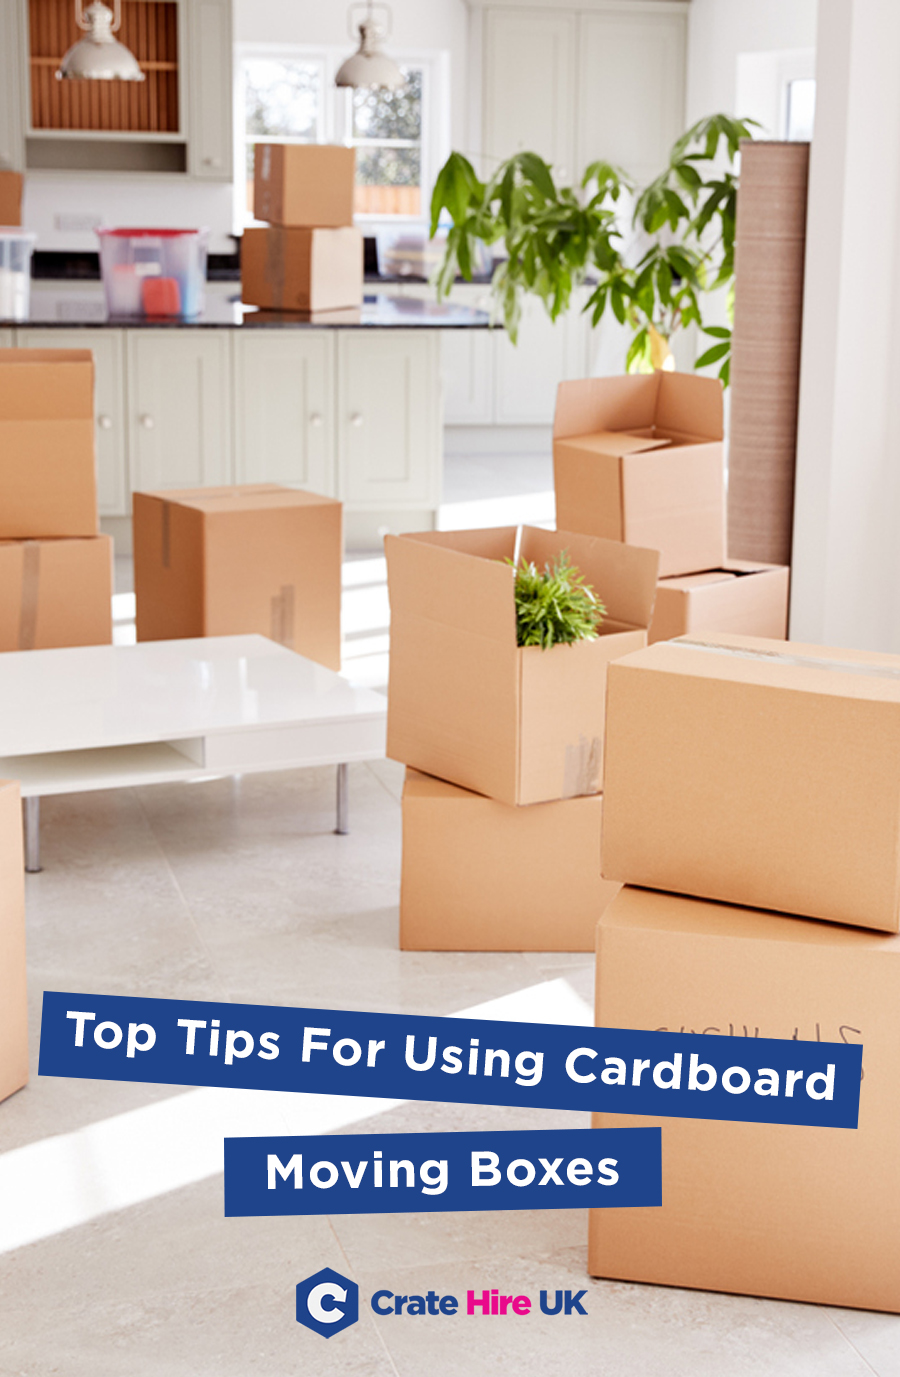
70 304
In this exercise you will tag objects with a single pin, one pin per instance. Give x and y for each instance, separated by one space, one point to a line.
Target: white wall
718 30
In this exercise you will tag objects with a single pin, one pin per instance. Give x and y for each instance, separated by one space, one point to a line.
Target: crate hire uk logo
328 1303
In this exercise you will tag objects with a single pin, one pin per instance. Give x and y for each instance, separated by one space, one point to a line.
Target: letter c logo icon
318 1310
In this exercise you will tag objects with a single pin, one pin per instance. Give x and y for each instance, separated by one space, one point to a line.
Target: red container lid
147 233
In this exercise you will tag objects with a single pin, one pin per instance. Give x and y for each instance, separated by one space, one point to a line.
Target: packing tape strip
31 582
582 769
779 657
282 616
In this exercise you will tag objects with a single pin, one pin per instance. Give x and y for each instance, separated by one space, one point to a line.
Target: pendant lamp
98 56
369 67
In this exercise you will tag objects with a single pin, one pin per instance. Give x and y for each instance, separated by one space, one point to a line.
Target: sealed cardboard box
55 593
11 185
476 875
309 184
465 702
640 459
806 1214
744 598
13 998
301 269
230 561
757 772
48 484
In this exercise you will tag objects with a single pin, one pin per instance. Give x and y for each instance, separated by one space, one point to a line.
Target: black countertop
68 305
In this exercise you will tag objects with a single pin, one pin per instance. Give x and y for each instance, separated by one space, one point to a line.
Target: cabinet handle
147 422
104 422
317 419
212 162
356 419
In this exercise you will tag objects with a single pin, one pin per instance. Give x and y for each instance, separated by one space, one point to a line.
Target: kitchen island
347 403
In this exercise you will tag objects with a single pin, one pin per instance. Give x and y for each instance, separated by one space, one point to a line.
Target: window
287 95
800 110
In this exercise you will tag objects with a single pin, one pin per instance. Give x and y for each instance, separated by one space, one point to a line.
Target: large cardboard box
479 875
742 597
230 561
48 484
757 772
802 1213
13 995
640 459
309 184
11 185
55 593
301 269
465 702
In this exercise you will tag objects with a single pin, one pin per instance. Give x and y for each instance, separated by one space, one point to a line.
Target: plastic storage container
16 247
153 272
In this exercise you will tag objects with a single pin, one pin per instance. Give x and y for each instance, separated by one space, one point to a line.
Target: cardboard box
230 561
744 598
801 1213
465 702
11 187
13 994
48 484
757 772
308 184
302 269
55 593
476 875
640 459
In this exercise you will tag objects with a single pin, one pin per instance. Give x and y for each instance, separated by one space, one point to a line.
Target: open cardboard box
235 560
13 995
466 703
475 875
301 269
48 483
742 597
640 459
55 593
757 772
801 1213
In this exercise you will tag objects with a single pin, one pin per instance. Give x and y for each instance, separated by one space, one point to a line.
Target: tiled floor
238 890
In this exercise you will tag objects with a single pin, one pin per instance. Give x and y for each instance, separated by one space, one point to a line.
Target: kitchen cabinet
389 420
12 149
211 90
179 385
284 409
7 339
108 347
528 80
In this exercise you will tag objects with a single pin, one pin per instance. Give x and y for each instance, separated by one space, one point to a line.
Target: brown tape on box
778 657
582 768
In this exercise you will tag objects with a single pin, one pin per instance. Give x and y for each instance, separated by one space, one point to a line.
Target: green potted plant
555 239
554 605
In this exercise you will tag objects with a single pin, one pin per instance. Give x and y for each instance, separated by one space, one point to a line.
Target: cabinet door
528 86
467 357
284 408
7 339
12 61
210 89
107 346
389 418
179 416
631 89
528 372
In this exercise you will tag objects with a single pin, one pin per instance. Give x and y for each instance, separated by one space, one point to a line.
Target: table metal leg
32 811
343 801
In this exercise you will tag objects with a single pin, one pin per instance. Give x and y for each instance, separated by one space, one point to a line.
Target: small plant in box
554 606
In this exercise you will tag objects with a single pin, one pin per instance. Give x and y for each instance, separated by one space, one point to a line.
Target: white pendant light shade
369 67
99 56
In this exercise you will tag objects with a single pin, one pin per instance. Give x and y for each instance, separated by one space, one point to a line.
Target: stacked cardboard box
232 561
640 459
309 257
751 792
501 808
55 568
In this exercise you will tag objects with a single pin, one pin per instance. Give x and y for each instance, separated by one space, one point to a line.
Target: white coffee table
102 717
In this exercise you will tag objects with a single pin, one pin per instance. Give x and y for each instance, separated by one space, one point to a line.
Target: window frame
335 121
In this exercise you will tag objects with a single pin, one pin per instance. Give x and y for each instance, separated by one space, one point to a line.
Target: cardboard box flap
623 576
459 579
615 443
691 406
587 405
46 384
775 664
419 785
242 498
